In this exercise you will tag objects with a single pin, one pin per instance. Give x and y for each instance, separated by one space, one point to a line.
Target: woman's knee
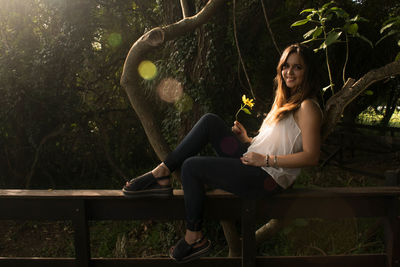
210 118
190 167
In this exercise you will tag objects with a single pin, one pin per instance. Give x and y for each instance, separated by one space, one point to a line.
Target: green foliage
391 27
332 23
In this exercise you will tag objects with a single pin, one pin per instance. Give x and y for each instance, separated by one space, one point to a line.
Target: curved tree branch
350 90
185 8
131 82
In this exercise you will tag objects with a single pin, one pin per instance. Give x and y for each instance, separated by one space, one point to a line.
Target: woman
288 139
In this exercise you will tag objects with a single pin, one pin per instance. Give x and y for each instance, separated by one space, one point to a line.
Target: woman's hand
253 159
240 132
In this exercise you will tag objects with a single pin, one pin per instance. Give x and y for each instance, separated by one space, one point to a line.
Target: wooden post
392 223
392 178
248 233
81 235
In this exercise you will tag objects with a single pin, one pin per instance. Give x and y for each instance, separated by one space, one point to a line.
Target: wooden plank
150 208
365 260
372 260
36 209
166 262
333 207
292 193
121 208
37 262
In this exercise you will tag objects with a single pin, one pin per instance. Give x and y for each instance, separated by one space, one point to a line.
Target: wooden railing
81 206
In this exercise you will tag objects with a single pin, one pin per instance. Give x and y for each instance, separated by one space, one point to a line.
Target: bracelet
267 161
275 161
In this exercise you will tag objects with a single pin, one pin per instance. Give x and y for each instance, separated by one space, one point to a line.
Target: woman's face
293 71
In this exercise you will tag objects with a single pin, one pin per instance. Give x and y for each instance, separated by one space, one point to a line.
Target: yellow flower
247 101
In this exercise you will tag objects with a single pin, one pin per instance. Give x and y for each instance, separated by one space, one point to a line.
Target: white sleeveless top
281 138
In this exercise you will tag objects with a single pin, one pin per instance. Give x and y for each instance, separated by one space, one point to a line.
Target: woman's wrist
266 161
271 161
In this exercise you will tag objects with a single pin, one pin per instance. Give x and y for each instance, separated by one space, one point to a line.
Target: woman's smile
293 71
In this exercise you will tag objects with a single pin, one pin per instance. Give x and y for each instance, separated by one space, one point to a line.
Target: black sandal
183 252
146 185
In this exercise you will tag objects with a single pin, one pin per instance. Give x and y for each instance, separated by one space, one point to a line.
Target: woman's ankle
161 171
191 236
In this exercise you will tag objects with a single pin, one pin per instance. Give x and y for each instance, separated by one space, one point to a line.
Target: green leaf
340 13
317 32
309 33
358 19
352 28
397 57
326 5
368 92
332 38
392 32
308 10
365 39
398 42
300 22
246 111
387 26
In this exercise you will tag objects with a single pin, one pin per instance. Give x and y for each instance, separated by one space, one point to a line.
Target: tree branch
185 8
350 90
131 82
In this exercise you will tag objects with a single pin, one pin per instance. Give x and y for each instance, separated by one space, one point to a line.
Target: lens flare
229 145
115 39
147 70
170 90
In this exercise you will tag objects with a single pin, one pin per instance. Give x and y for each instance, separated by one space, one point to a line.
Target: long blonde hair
284 101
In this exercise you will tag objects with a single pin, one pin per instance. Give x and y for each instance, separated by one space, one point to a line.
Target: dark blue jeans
224 172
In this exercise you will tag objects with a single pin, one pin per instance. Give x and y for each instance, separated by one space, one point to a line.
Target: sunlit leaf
352 28
246 111
310 32
387 27
327 5
340 13
308 10
317 32
332 38
368 92
358 19
398 56
300 22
